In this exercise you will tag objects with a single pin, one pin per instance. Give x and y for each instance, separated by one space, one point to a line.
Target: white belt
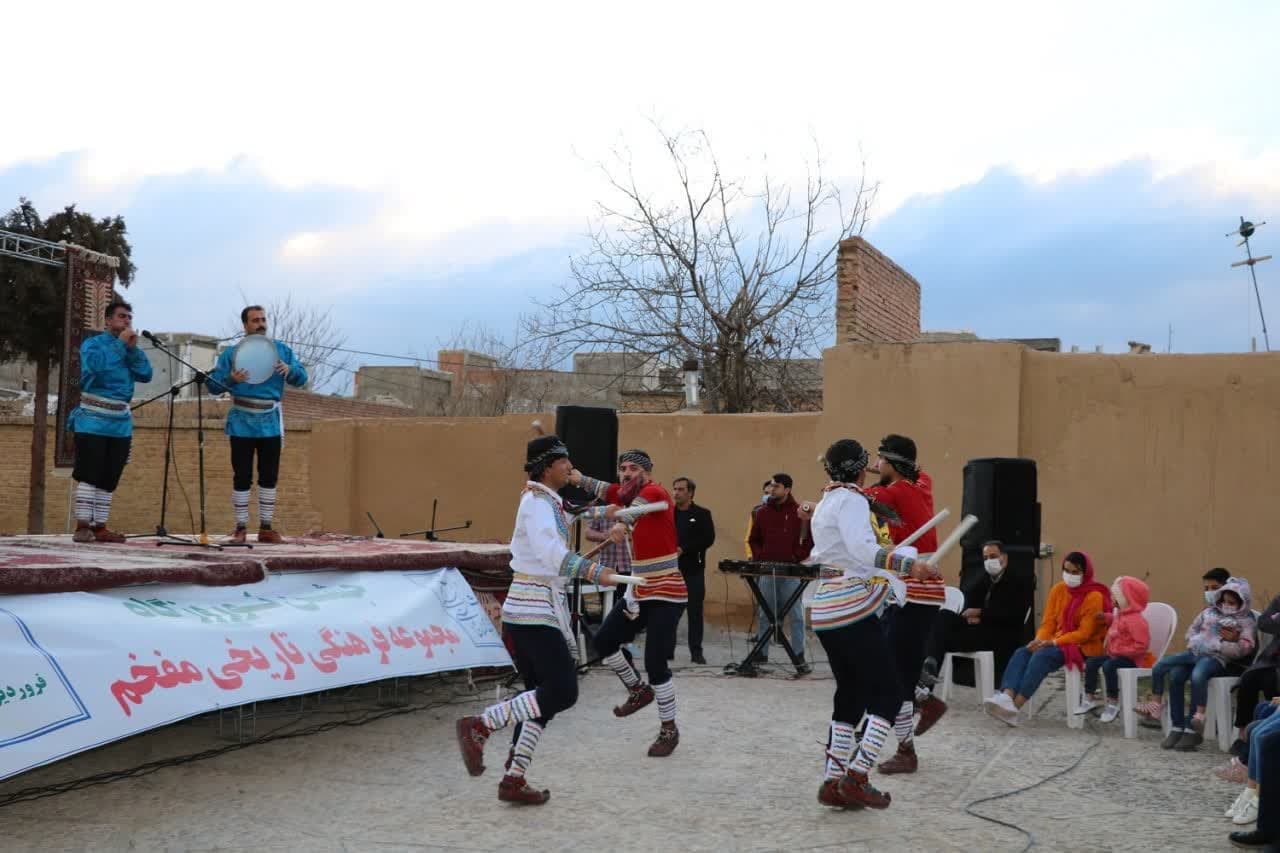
96 405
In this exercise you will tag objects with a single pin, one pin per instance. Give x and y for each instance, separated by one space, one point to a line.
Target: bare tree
315 338
737 275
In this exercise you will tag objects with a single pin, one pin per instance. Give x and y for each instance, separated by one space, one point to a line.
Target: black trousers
907 629
545 664
952 634
659 620
242 450
866 677
697 584
100 459
1253 684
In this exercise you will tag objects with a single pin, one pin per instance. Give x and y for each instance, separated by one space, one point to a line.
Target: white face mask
1229 609
1209 595
1072 580
1118 594
993 566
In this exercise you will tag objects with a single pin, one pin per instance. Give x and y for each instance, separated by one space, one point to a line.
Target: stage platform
48 564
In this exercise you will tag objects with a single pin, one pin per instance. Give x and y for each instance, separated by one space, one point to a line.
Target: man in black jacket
995 612
696 533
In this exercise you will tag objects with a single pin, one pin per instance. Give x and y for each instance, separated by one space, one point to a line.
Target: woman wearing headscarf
1073 628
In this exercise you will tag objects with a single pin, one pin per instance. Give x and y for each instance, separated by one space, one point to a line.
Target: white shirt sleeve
538 519
859 539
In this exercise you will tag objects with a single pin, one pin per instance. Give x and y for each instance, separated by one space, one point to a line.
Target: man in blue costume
255 425
103 425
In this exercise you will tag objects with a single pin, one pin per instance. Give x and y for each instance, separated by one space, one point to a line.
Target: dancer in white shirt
534 617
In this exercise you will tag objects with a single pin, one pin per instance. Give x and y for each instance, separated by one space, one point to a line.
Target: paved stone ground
744 778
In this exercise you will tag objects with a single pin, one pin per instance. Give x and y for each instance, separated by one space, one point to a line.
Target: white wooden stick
926 527
630 580
950 542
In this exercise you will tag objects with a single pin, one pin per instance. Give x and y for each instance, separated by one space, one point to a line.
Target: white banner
86 668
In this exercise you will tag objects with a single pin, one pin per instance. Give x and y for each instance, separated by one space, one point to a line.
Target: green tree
31 313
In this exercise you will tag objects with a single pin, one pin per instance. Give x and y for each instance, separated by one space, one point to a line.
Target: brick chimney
876 300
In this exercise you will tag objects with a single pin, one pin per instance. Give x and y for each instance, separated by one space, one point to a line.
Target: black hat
845 460
543 450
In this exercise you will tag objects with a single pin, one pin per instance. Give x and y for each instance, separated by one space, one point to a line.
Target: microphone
148 336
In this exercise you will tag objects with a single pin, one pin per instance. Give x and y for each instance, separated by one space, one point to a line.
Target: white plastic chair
1162 619
1218 719
984 663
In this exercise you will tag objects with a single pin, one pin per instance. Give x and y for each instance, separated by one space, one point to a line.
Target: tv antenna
1245 231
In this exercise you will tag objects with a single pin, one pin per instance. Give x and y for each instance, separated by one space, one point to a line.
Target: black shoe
1249 839
929 672
1189 742
697 657
803 668
1171 739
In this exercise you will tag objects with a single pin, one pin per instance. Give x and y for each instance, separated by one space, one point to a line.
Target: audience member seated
1073 628
1220 642
1260 679
996 603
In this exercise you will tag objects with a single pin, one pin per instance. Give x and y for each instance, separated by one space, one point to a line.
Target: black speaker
1001 492
591 434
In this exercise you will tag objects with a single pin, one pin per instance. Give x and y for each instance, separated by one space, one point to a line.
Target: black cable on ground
1031 838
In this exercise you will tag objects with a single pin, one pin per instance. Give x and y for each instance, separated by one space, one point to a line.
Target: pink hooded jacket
1129 635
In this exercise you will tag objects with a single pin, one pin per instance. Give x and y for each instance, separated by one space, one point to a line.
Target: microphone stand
161 531
199 379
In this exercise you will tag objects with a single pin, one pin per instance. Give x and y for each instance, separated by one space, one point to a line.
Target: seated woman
1073 628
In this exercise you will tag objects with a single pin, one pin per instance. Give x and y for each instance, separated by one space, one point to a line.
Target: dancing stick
925 528
950 542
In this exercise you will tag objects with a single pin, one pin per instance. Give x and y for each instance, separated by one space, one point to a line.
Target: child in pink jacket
1126 645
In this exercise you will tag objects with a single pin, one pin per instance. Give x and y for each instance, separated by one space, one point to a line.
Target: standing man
696 533
110 363
256 425
655 607
779 534
908 492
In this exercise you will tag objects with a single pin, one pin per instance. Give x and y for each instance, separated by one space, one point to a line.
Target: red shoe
667 741
237 535
83 534
904 761
102 534
267 536
931 710
829 795
855 788
637 698
514 789
472 735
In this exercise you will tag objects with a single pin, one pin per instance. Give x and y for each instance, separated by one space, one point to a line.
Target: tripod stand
199 378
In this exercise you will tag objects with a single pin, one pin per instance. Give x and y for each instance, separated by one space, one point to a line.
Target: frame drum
257 355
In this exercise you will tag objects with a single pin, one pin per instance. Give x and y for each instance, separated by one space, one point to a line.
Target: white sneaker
1110 712
1000 706
1247 812
1086 705
1239 801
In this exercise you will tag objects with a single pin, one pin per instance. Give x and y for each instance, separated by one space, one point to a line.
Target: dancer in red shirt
908 490
655 607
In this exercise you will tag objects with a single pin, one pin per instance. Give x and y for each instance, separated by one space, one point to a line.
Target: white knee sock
666 696
905 723
85 495
101 507
518 710
266 506
839 750
872 742
240 503
618 663
530 733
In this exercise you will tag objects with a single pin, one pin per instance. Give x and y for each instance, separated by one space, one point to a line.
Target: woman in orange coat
1073 629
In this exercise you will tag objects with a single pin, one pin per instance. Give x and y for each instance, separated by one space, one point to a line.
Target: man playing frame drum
254 373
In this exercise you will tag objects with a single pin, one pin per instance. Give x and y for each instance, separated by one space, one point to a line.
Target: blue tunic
108 368
265 424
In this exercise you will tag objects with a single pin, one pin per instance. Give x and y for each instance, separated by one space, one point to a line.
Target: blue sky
1058 170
